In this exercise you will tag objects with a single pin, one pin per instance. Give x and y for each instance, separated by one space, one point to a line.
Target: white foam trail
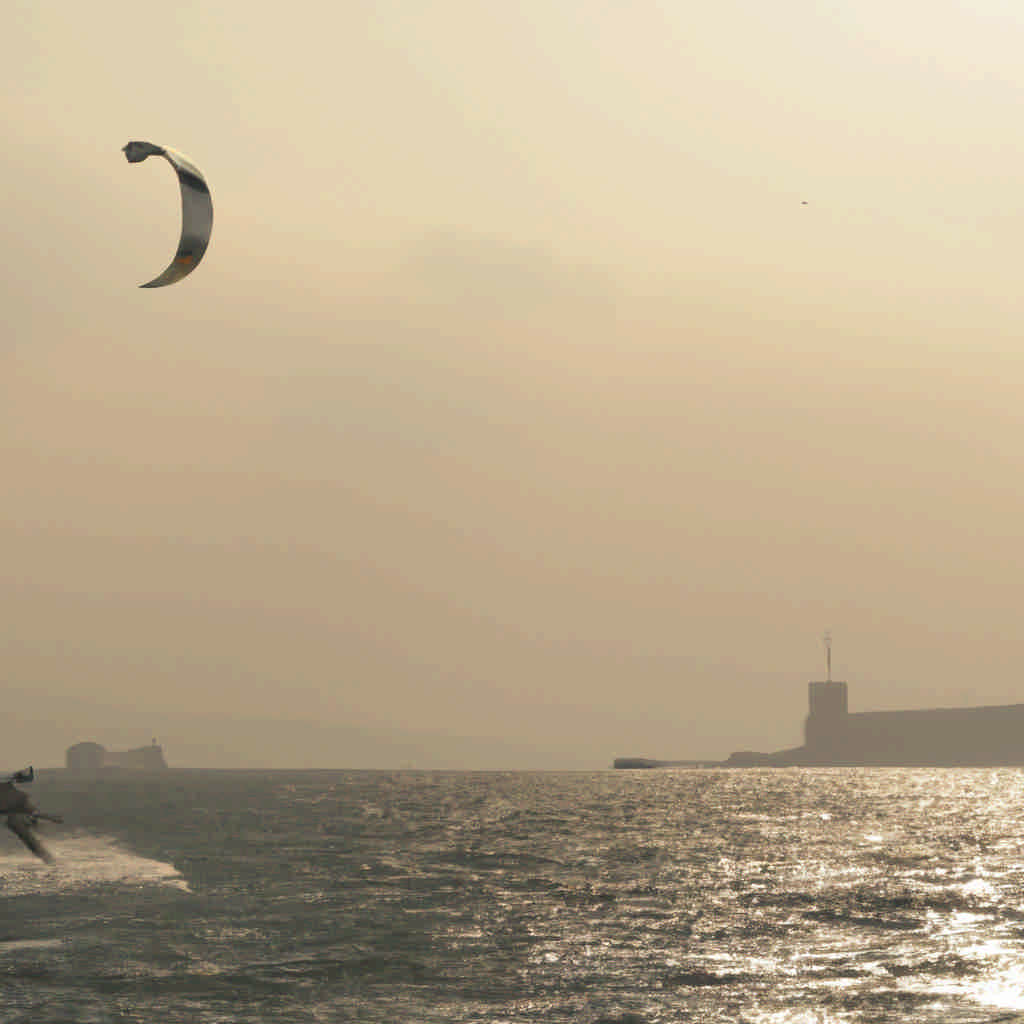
81 861
13 944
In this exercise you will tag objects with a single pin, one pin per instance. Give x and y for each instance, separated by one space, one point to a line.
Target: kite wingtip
135 152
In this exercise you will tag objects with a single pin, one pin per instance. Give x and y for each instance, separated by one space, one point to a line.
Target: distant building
932 737
992 735
85 758
91 758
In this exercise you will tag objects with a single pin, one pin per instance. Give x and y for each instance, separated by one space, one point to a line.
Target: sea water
785 895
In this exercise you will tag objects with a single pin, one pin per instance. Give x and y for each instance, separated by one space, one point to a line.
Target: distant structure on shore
833 736
92 758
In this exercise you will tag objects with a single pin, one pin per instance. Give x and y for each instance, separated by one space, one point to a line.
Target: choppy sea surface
786 895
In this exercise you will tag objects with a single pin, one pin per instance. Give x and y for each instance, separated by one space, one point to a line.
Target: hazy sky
520 414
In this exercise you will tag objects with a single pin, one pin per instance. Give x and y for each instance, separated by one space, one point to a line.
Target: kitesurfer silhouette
23 815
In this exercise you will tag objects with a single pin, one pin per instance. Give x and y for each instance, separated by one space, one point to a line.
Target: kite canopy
196 211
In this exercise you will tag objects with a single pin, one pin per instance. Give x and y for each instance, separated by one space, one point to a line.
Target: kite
196 211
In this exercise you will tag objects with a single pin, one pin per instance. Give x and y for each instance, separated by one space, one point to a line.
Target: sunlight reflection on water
747 897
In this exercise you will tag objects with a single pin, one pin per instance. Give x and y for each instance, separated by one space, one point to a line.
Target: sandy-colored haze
521 414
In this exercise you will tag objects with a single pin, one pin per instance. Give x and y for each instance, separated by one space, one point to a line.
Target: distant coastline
990 736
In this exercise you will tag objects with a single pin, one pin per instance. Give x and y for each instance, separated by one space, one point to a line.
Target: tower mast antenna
828 655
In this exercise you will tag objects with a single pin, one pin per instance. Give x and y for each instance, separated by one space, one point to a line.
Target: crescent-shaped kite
196 211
